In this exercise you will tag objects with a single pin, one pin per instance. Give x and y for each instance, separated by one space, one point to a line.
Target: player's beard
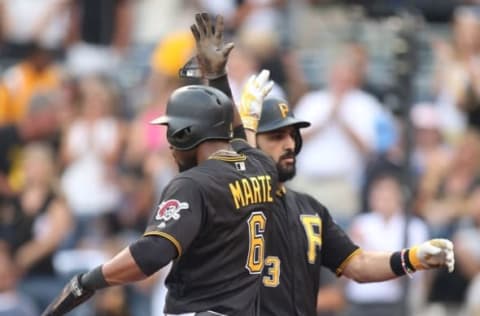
286 171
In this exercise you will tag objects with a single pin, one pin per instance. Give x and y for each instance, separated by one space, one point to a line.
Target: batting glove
212 52
433 254
253 93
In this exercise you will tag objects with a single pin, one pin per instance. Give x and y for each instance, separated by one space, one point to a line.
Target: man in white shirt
341 137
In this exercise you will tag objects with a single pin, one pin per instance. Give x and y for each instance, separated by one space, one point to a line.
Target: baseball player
303 236
211 218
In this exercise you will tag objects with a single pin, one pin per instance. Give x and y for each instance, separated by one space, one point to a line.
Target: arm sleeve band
239 132
151 253
94 279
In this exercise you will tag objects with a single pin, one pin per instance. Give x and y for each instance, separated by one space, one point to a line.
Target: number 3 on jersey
256 249
313 229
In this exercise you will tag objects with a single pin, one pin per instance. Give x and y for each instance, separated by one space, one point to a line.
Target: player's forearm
381 266
221 83
251 138
121 269
370 266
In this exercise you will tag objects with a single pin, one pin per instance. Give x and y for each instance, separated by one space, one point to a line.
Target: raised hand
212 52
253 93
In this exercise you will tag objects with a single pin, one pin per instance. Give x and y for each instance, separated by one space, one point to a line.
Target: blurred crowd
81 168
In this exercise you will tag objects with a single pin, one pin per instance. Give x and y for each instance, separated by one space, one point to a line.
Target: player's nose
289 142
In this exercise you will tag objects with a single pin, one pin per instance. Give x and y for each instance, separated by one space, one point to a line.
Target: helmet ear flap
181 137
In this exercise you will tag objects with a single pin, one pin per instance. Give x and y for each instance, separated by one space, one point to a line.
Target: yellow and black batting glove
253 93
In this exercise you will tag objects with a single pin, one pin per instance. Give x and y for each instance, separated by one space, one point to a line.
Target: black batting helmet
196 114
276 114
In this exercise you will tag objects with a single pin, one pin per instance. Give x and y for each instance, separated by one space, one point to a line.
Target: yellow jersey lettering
237 194
314 237
253 190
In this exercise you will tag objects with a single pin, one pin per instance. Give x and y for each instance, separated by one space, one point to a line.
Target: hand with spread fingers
212 52
253 93
433 253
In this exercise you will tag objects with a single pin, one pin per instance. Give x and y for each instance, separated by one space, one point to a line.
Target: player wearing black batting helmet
195 114
211 219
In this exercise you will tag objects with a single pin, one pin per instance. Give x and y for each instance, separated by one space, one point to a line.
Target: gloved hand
431 254
72 295
253 93
212 52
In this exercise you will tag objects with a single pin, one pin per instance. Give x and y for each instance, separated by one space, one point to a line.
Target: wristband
413 259
94 279
396 264
405 267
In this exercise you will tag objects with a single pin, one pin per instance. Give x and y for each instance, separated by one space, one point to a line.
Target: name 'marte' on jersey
252 190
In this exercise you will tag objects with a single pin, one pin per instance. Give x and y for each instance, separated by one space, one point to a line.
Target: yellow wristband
412 256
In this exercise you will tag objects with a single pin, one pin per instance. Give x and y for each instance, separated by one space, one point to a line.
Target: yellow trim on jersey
240 157
340 268
169 237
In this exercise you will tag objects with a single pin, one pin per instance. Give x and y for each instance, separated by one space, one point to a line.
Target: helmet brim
161 120
289 121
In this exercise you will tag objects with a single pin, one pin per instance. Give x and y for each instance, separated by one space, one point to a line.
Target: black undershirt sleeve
151 253
221 83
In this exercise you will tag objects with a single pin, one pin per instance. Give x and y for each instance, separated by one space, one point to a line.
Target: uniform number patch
272 274
256 248
170 209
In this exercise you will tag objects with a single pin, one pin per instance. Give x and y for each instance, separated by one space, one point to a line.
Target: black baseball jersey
216 216
304 238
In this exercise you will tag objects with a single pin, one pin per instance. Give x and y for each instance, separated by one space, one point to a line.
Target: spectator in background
443 209
38 224
458 73
340 140
40 123
24 22
467 241
242 64
12 301
90 152
147 149
360 56
267 50
383 228
5 108
446 195
34 74
431 154
430 149
99 34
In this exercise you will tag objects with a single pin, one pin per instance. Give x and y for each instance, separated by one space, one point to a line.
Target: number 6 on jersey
256 249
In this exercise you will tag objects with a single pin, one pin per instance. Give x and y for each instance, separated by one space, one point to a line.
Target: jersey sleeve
337 247
178 216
